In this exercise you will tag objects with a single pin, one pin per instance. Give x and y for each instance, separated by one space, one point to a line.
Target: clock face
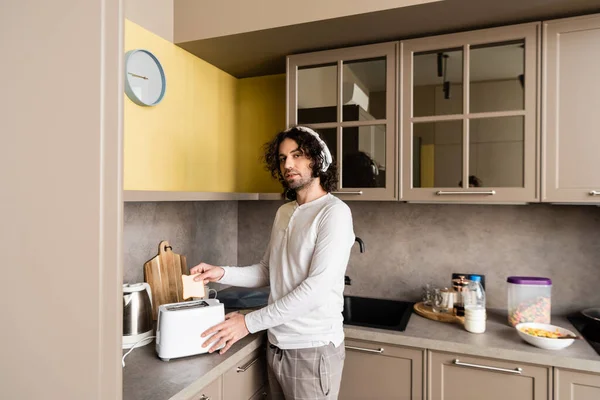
145 79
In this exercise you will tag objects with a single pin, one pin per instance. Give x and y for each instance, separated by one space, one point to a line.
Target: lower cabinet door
458 377
380 371
244 380
211 391
262 394
575 385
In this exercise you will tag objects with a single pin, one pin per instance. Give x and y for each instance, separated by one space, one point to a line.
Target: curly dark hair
311 147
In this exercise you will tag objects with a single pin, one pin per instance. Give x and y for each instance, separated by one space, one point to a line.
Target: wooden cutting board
427 312
163 274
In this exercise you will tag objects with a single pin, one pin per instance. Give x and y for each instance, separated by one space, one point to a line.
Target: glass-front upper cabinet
349 96
469 116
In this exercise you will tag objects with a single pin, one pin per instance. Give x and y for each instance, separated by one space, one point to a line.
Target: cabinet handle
358 193
594 193
518 370
204 397
443 192
248 365
378 351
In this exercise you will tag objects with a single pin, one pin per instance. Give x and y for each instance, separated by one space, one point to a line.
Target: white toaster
181 324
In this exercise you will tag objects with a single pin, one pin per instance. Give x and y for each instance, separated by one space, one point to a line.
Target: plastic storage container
528 299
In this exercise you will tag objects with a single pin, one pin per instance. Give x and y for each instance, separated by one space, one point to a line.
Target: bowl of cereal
545 336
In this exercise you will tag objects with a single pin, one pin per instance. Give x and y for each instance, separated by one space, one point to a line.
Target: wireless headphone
325 154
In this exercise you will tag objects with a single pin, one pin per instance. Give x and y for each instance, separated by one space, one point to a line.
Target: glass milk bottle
475 314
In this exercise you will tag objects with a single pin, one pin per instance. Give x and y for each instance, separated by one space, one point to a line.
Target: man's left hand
227 332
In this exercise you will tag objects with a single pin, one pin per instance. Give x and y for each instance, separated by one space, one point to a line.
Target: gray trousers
298 374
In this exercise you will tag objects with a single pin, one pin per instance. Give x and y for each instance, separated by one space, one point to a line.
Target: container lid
475 278
529 280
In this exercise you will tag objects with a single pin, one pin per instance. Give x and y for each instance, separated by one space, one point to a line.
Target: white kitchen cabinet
456 376
349 96
381 371
576 385
470 108
571 83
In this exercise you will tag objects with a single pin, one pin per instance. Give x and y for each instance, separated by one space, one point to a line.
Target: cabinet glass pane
437 80
496 147
363 162
329 136
364 90
497 77
437 154
317 94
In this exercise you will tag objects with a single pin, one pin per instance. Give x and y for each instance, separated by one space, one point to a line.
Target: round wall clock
145 81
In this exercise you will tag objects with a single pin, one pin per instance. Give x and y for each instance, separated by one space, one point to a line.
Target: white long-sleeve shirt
304 264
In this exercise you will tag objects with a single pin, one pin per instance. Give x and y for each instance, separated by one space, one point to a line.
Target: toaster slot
187 305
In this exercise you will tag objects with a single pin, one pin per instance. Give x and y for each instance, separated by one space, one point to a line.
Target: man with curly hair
304 264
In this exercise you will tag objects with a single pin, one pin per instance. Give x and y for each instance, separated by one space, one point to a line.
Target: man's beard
300 184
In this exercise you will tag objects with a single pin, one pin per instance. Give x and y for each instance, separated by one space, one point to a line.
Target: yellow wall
427 165
207 133
186 142
261 114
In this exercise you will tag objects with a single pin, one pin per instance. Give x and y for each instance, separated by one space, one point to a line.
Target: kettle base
130 340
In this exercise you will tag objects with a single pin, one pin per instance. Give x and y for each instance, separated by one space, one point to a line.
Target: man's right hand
207 273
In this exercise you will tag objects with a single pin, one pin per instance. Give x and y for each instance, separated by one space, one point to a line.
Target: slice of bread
192 288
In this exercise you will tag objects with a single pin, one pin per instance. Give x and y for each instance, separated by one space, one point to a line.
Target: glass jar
460 286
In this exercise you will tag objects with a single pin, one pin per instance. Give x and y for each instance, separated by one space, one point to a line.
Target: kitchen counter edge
191 392
579 356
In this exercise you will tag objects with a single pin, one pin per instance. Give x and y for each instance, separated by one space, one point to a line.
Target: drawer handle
204 397
248 365
443 192
594 193
378 351
358 192
518 371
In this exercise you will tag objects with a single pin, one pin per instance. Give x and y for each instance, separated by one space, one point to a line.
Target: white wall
317 87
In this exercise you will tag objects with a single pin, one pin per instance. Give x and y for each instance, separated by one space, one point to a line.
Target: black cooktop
587 328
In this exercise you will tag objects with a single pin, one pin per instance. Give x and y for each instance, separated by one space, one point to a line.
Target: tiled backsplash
407 245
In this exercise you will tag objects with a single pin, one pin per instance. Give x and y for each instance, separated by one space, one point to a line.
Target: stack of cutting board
163 274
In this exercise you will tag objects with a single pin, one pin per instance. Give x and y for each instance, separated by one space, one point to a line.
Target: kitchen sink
377 313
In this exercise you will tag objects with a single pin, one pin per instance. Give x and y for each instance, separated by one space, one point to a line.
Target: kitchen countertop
146 377
499 341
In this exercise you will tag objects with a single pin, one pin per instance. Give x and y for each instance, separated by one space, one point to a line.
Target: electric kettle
137 314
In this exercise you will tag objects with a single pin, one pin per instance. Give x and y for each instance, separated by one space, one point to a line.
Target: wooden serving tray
427 312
